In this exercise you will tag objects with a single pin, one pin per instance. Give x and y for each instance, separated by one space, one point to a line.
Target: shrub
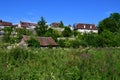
33 43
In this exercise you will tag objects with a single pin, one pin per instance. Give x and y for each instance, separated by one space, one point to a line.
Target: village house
4 23
44 41
85 28
27 25
56 26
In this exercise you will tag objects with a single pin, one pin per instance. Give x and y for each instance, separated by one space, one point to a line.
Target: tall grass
60 64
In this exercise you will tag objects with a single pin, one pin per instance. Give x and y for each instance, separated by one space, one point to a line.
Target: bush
19 54
33 43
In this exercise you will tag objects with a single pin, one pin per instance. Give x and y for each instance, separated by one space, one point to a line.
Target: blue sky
69 11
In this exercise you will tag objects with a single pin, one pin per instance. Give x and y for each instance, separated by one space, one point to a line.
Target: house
27 25
85 28
44 41
4 23
55 24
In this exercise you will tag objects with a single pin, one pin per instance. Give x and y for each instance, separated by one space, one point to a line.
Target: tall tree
107 24
61 24
116 17
42 27
112 23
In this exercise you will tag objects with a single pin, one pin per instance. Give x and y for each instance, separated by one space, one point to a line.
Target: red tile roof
44 41
55 24
85 26
4 23
27 24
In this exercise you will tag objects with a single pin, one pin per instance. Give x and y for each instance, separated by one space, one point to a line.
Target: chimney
84 26
90 26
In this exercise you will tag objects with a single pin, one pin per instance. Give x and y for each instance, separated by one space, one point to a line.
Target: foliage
61 24
60 64
61 43
75 33
7 30
112 23
41 29
67 32
33 43
6 37
52 33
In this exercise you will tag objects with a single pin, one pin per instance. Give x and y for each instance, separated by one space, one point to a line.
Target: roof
55 24
27 24
44 41
4 23
85 26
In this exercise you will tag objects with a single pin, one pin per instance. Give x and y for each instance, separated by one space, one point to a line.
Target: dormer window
90 26
84 26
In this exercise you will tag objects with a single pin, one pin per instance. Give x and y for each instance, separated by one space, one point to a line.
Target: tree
52 33
75 33
67 32
6 37
61 24
112 23
116 17
42 27
8 30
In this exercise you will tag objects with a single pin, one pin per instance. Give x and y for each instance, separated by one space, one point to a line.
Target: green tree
33 43
67 32
107 24
52 33
61 24
8 30
112 23
41 29
6 37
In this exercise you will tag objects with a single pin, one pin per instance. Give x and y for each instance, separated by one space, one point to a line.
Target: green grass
60 64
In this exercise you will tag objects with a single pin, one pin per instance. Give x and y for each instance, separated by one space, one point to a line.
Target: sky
68 11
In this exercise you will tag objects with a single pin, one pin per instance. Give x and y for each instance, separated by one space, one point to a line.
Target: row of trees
43 30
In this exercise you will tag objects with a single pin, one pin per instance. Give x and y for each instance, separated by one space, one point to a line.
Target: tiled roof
27 24
44 41
4 23
55 24
85 26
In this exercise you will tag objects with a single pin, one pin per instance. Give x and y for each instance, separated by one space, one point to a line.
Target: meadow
60 64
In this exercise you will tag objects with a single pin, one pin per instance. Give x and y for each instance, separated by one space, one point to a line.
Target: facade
27 25
85 28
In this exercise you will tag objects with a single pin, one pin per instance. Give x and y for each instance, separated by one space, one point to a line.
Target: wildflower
83 55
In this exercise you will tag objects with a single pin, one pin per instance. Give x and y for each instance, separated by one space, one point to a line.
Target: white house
27 25
85 28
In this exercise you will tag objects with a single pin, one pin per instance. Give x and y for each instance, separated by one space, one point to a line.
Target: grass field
60 64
